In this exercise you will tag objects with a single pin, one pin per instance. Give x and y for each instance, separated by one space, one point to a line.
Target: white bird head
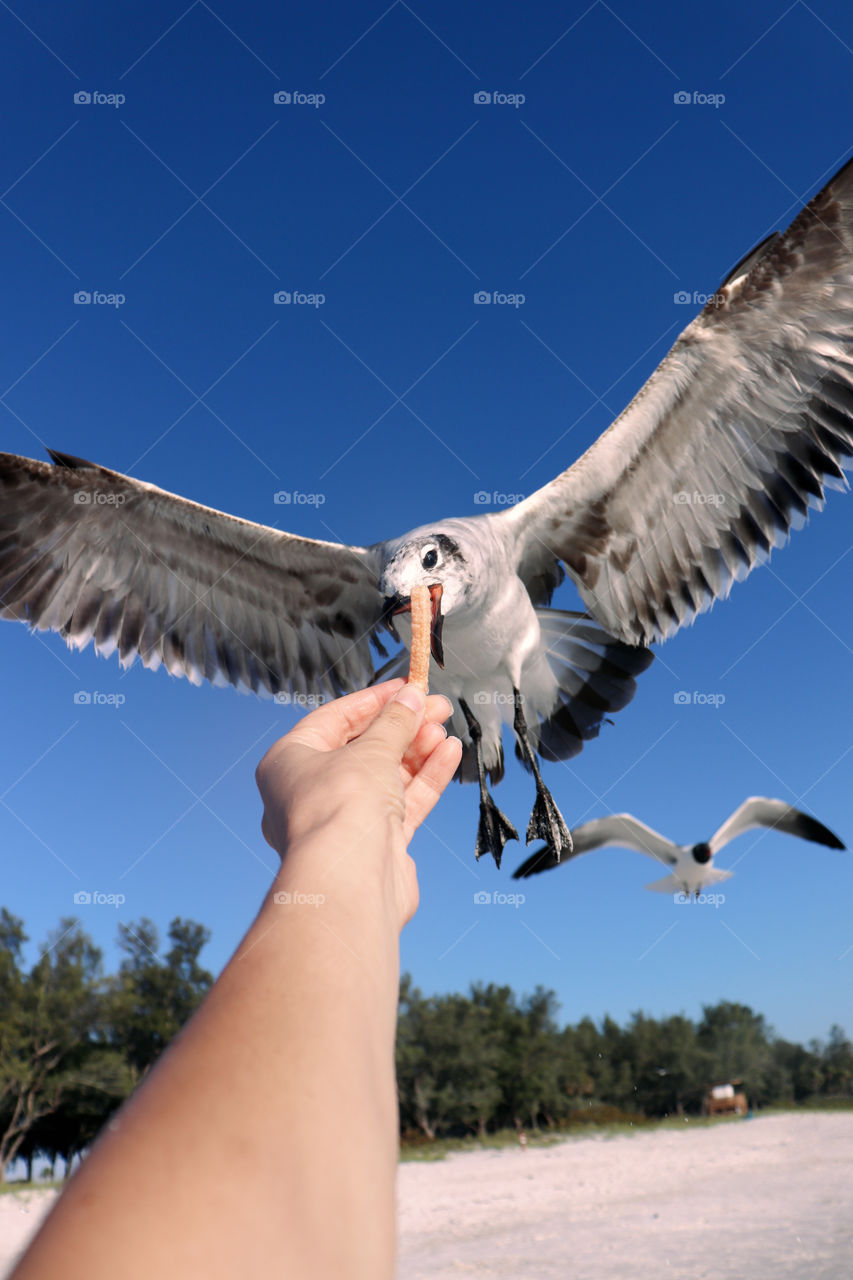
433 560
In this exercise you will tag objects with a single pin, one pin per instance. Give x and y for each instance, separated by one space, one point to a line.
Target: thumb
396 727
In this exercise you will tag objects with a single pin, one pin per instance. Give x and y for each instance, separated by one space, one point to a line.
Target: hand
360 774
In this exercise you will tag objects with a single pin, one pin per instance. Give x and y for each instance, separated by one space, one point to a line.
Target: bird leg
494 828
546 821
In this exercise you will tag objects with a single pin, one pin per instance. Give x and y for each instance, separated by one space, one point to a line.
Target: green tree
50 1019
153 997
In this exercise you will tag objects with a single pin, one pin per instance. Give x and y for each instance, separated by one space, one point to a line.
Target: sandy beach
760 1198
771 1197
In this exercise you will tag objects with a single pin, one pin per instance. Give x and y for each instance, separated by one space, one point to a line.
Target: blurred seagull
750 413
693 865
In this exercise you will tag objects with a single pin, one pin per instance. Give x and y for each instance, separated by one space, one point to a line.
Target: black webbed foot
546 823
493 830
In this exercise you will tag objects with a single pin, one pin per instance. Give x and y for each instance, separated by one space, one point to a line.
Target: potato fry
421 627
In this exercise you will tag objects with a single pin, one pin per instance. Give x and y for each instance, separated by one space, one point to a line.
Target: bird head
432 560
701 853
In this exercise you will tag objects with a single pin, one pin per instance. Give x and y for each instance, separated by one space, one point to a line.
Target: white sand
754 1199
757 1199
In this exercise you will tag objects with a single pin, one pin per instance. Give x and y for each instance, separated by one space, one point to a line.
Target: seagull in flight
722 452
693 865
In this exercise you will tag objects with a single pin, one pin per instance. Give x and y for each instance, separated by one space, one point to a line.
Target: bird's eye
430 558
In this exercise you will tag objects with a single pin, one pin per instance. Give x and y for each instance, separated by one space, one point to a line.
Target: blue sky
396 399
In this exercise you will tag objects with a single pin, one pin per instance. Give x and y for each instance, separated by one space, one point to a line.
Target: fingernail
412 697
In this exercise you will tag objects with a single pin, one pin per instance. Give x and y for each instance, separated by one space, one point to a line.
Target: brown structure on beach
725 1100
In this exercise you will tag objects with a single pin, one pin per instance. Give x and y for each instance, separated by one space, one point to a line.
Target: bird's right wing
758 811
620 830
734 436
99 556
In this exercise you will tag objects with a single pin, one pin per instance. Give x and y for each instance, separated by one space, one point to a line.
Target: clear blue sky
397 399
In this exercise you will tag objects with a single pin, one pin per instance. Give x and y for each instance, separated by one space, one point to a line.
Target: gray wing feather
103 558
759 811
620 830
725 448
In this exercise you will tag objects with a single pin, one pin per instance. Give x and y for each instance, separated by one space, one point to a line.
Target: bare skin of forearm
264 1174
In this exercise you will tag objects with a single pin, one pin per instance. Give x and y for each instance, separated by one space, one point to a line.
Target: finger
394 730
334 724
438 708
426 787
428 738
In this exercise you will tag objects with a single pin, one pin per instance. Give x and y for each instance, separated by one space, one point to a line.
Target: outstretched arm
264 1142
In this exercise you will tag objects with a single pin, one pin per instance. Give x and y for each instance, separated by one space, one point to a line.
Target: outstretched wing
101 557
620 830
758 811
723 450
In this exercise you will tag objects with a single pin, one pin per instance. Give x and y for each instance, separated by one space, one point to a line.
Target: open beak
436 620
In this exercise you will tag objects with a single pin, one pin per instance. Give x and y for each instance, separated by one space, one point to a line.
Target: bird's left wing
725 447
758 811
99 556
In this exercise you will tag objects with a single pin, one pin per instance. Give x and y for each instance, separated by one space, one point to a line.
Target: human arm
265 1139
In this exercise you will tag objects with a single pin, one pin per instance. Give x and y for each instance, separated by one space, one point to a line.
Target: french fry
421 626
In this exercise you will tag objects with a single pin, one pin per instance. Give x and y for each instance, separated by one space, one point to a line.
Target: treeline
74 1042
487 1061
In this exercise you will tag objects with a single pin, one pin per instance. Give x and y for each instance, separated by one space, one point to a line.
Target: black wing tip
809 828
70 461
540 860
